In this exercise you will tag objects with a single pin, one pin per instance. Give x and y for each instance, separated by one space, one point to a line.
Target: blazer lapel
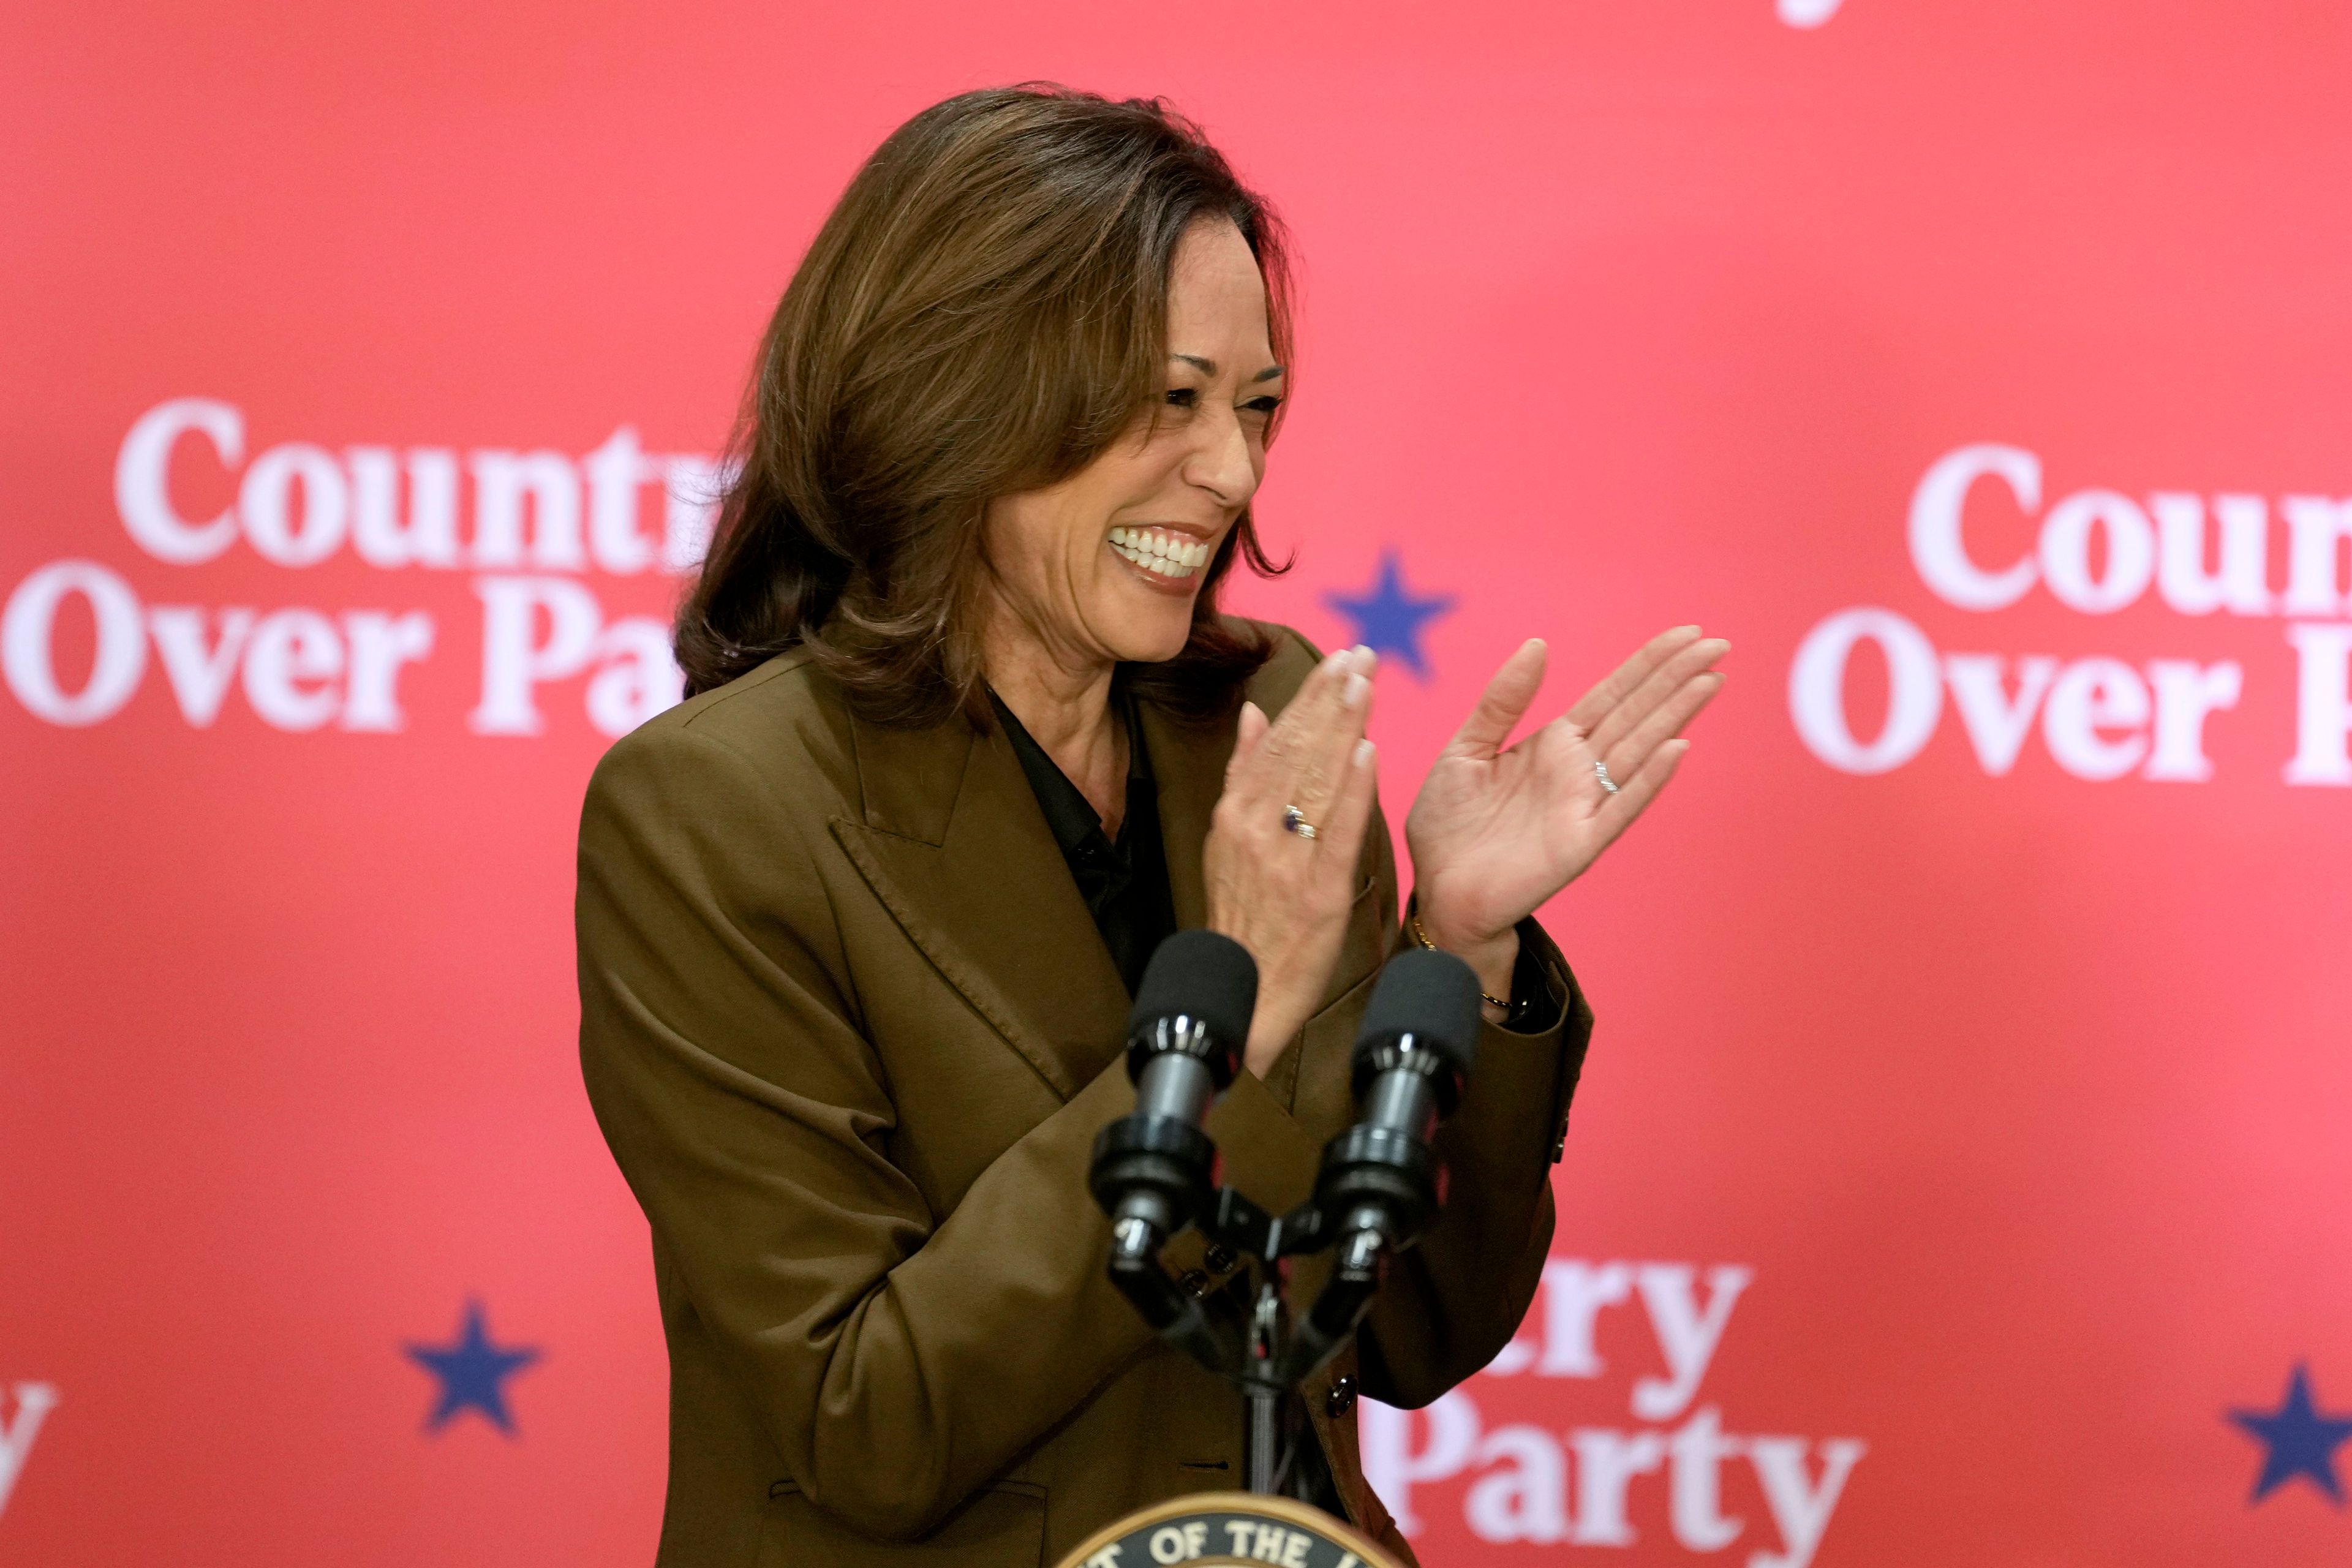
953 844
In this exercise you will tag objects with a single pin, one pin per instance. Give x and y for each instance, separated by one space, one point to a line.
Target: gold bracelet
1413 920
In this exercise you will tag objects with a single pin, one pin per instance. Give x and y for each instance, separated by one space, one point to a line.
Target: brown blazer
850 1032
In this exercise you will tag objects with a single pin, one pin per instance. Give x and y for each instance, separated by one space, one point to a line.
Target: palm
1494 832
1500 834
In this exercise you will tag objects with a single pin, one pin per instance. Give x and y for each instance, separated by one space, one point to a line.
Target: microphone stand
1271 1353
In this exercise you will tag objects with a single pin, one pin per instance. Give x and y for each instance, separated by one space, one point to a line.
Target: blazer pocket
1312 1079
1361 949
1003 1526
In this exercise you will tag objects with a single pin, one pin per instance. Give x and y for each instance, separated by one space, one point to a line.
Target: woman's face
1104 566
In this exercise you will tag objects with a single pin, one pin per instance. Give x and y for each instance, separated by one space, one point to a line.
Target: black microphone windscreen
1431 995
1206 975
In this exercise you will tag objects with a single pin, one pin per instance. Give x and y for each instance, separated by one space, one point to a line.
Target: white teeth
1169 555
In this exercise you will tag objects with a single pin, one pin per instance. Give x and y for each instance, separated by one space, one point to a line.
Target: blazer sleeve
897 1359
1451 1304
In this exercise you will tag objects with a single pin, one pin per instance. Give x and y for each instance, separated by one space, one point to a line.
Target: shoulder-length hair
984 312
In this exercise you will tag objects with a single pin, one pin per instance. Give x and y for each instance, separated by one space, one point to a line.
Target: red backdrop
1963 1142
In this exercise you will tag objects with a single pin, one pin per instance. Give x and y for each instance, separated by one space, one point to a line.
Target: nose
1223 460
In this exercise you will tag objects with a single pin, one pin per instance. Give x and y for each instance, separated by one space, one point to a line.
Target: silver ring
1294 821
1601 771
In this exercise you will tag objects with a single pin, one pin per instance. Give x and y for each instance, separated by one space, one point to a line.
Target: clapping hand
1494 832
1280 861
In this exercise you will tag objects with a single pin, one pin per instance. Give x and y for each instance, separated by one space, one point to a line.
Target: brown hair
984 312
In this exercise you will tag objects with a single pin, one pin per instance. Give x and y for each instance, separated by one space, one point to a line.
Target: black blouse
1125 884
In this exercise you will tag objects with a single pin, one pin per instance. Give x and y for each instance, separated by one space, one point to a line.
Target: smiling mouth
1156 550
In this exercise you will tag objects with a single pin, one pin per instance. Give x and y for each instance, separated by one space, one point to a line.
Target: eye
1264 407
1183 397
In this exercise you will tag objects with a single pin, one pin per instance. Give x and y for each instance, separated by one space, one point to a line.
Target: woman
859 921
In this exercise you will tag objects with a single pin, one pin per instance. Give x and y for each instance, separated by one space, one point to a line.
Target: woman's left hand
1495 833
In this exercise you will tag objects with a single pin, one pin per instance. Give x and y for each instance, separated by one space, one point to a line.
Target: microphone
1382 1183
1184 1037
1152 1169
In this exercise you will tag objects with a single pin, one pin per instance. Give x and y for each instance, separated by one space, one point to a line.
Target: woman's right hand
1281 894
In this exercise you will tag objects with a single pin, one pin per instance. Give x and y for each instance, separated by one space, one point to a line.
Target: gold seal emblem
1241 1528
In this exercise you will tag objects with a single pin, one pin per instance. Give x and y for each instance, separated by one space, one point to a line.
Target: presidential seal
1237 1528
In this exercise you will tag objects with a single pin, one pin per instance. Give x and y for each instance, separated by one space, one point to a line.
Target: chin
1158 651
1155 644
1146 626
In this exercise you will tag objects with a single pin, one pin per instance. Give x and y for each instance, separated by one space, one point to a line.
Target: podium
1243 1528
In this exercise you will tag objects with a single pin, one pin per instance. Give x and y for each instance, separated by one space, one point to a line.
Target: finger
1323 761
1247 733
1660 684
1310 707
1612 688
1264 771
1307 748
1666 721
1340 842
1664 678
1502 705
1634 794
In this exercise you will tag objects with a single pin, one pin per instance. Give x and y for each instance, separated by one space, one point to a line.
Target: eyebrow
1209 367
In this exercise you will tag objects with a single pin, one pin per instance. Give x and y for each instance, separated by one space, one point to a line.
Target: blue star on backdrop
1388 619
2300 1441
473 1372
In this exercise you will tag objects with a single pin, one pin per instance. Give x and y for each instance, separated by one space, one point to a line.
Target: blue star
472 1373
2302 1442
1388 619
